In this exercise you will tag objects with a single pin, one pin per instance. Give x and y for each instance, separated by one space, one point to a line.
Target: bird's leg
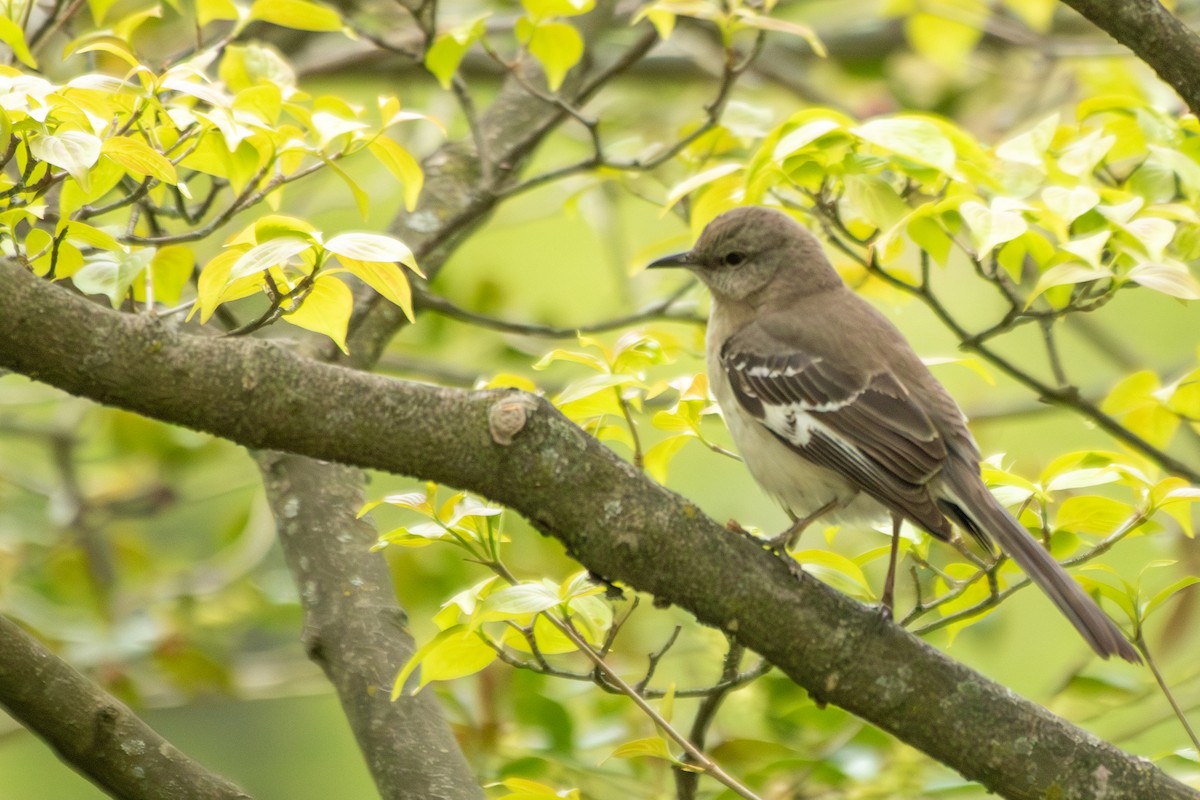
787 540
889 584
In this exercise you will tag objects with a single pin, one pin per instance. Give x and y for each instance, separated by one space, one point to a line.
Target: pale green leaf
513 601
1066 274
1082 156
372 247
993 225
1070 204
1030 147
1089 248
272 253
74 151
689 185
916 139
112 273
1170 277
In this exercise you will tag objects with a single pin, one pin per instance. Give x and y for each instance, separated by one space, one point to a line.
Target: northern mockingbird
834 413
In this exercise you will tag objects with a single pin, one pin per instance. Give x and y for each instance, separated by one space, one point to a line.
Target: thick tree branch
611 518
1156 36
93 732
356 633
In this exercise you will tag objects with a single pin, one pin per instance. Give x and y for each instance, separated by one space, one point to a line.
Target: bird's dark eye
732 259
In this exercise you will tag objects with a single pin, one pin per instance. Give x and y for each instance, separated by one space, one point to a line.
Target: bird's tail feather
983 516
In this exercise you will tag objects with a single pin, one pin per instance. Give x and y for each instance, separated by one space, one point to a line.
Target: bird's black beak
676 260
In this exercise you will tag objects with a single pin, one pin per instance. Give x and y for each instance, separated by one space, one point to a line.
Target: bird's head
747 251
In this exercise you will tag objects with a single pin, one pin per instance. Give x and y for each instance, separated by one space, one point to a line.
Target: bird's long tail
974 507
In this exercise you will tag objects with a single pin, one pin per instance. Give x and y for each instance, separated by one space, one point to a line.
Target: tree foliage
462 195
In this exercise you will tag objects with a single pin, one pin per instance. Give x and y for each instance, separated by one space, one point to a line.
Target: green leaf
269 254
372 247
1132 392
1166 594
876 200
300 15
836 570
522 789
139 158
657 459
455 652
74 151
650 747
803 136
325 309
386 278
171 268
1065 274
275 226
913 138
210 10
556 45
447 51
402 165
14 36
1091 514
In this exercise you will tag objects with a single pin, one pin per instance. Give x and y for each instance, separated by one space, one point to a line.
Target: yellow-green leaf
326 309
650 747
14 36
139 158
74 151
384 277
453 653
298 14
556 45
402 165
1092 514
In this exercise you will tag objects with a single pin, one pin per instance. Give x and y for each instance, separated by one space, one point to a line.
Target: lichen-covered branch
611 518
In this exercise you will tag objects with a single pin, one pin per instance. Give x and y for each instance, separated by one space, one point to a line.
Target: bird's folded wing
866 426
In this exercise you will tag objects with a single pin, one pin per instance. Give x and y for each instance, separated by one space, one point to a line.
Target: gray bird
837 417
